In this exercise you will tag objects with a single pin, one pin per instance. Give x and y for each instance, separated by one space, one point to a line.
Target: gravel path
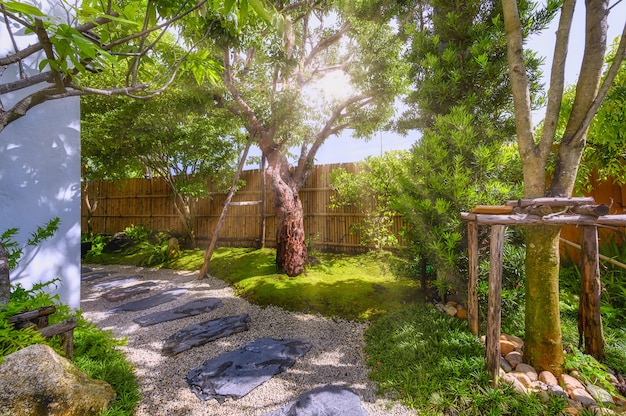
336 357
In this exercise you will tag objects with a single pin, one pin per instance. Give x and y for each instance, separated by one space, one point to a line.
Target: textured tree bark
494 313
589 317
543 344
291 251
5 282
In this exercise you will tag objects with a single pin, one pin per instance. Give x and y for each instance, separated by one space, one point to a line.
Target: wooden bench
39 319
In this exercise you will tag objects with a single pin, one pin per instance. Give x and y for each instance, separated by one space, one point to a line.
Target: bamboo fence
149 202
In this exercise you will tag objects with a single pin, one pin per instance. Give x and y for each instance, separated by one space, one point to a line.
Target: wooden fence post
589 319
492 342
472 295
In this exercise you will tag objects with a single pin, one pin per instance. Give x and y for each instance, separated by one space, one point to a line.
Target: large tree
561 156
460 101
270 79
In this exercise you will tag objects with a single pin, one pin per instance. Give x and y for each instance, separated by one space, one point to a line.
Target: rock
548 378
523 378
193 308
570 383
599 394
514 358
581 396
326 400
119 241
517 385
461 313
200 334
37 381
450 310
557 390
505 365
571 410
234 374
506 347
518 342
149 302
528 370
173 248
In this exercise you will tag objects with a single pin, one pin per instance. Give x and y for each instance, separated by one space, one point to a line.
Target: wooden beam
494 311
589 317
528 219
492 209
595 210
243 203
555 202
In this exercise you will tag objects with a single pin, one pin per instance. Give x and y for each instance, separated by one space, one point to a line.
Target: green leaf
18 7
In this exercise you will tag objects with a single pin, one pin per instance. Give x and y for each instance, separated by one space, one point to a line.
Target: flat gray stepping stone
192 308
94 276
115 282
234 374
201 333
123 293
149 302
325 400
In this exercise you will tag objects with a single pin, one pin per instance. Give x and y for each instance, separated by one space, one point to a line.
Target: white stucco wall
40 180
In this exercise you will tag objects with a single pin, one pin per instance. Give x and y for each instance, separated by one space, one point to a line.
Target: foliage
378 176
603 157
460 101
15 251
96 352
452 169
104 38
11 339
513 278
432 363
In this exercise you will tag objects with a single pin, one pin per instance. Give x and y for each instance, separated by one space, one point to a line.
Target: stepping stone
115 282
149 302
325 400
94 276
123 293
192 308
234 374
201 333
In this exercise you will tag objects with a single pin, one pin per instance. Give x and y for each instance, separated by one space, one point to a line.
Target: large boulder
36 381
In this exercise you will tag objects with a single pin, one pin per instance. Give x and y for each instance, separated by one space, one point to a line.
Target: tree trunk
5 282
291 251
543 345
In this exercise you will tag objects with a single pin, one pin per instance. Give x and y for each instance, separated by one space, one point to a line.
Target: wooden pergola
581 212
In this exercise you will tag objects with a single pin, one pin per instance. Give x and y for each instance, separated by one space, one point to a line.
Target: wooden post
492 342
589 318
472 295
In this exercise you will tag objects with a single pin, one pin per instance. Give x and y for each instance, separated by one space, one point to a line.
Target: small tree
372 192
179 136
550 163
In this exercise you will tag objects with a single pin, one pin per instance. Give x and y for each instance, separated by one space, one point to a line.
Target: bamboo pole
220 221
601 256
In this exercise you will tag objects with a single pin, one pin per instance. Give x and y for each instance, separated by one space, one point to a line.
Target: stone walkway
200 350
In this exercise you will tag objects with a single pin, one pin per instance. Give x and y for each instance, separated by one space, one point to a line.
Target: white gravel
336 356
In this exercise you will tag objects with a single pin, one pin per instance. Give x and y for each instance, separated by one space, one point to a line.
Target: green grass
432 363
351 287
